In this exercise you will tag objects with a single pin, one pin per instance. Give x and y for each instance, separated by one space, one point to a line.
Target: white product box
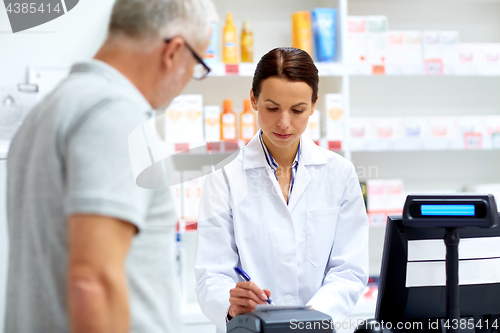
356 50
488 59
360 133
193 118
377 39
387 131
395 198
184 121
413 47
442 133
491 132
313 129
376 199
432 53
396 48
432 45
176 192
472 131
174 124
412 134
467 63
384 197
191 194
449 50
404 53
212 123
334 117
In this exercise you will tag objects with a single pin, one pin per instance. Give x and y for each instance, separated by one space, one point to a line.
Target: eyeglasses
201 69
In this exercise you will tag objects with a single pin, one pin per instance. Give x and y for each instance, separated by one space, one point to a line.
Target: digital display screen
448 210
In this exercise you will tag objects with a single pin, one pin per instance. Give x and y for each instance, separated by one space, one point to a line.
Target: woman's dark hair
287 63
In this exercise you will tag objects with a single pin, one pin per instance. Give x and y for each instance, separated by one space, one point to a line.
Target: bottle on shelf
229 41
302 31
247 122
228 122
246 42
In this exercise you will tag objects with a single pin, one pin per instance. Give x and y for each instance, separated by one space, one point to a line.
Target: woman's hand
245 297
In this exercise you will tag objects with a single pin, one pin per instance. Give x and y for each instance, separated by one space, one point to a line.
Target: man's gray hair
152 19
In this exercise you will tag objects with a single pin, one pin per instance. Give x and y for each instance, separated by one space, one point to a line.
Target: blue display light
448 210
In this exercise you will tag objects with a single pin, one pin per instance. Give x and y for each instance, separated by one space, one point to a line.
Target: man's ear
171 54
253 100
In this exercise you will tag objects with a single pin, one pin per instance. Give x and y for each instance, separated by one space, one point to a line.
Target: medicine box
193 118
174 124
356 44
334 117
313 130
212 123
192 185
377 39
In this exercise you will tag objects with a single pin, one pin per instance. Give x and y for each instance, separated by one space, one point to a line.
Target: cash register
281 320
426 284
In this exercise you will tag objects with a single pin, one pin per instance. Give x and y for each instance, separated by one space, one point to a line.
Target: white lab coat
312 251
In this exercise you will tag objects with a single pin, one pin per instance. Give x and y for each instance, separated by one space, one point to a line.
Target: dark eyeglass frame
196 56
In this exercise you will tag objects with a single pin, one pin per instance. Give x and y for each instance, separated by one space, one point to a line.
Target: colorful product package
324 22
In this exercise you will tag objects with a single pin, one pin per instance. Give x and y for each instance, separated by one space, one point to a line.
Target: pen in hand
242 274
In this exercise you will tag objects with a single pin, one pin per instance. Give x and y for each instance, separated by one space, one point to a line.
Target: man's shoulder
77 96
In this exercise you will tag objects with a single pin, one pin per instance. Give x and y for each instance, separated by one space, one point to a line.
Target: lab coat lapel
310 155
254 158
302 180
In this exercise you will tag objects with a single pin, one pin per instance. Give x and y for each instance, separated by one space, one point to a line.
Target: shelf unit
401 92
392 94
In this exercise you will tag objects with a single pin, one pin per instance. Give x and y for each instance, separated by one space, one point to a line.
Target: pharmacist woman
290 213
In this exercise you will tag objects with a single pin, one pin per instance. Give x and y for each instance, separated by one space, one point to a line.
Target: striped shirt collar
274 166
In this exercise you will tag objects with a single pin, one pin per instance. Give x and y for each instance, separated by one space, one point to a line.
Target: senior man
90 251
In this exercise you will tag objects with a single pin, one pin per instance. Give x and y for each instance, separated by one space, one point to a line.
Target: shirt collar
254 157
269 158
115 77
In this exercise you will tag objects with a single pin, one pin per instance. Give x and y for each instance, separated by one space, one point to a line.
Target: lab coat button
288 298
288 259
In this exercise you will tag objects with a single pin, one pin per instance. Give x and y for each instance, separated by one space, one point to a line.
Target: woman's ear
313 107
253 100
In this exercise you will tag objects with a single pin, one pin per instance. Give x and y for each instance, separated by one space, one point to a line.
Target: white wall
72 37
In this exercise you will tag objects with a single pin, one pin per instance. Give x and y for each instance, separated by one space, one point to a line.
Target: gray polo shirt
71 156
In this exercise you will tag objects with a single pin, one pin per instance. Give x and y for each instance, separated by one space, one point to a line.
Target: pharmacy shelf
336 69
420 70
325 69
391 148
